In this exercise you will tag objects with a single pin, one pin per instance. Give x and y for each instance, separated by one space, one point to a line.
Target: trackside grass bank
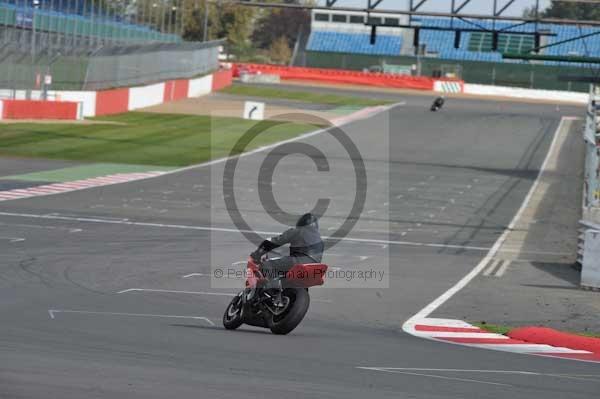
317 98
139 138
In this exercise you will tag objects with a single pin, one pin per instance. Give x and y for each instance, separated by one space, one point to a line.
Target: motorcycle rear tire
292 317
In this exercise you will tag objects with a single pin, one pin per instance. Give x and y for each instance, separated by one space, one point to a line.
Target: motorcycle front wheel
233 318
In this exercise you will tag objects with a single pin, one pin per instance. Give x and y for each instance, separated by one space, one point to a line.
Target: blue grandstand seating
357 43
77 7
441 43
75 10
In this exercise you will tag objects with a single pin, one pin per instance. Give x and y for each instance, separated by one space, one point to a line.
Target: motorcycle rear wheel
299 301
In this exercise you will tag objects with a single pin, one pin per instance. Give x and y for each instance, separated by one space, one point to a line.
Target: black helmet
306 220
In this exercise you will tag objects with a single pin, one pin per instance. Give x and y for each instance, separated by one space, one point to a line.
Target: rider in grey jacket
306 246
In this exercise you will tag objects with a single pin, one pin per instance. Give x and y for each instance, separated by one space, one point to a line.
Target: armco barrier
176 90
112 101
200 86
146 96
87 98
222 79
38 109
338 76
529 94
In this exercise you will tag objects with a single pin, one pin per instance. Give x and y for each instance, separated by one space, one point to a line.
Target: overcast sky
475 7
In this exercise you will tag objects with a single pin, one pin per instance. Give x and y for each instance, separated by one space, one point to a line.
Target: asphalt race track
77 319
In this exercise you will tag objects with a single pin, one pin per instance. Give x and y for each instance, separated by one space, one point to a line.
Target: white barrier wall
200 87
516 92
87 98
448 86
146 96
590 271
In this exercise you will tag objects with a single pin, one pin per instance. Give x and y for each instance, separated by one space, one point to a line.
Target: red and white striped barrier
114 101
462 333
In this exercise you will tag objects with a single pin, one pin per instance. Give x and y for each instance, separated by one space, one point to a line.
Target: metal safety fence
526 75
107 67
132 65
591 137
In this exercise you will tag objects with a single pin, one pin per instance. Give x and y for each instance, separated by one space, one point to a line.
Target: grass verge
501 329
140 138
304 96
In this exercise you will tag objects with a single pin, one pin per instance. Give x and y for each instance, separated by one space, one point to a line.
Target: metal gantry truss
454 13
455 8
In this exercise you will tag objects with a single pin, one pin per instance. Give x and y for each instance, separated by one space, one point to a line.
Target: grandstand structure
344 39
489 48
349 32
94 45
73 21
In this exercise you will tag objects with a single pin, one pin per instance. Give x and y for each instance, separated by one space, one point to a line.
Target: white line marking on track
176 292
430 308
200 293
510 372
53 312
445 334
39 226
383 243
503 268
195 275
493 263
441 377
12 239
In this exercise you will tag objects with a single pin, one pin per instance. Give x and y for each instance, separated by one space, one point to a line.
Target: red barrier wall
221 79
176 90
339 76
112 101
38 109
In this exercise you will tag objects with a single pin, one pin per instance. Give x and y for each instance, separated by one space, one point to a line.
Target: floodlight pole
205 29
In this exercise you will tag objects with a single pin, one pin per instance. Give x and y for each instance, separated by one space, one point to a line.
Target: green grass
318 98
140 138
493 328
501 329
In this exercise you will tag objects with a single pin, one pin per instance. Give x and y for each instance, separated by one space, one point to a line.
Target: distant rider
438 103
306 246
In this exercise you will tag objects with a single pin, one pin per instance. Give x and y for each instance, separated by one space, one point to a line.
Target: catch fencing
591 137
525 75
107 67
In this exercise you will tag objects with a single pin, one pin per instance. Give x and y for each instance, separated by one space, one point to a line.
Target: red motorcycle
279 304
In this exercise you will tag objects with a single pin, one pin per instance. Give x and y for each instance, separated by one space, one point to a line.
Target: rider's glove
263 248
256 255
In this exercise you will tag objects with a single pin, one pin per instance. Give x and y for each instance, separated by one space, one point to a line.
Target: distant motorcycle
279 304
438 103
